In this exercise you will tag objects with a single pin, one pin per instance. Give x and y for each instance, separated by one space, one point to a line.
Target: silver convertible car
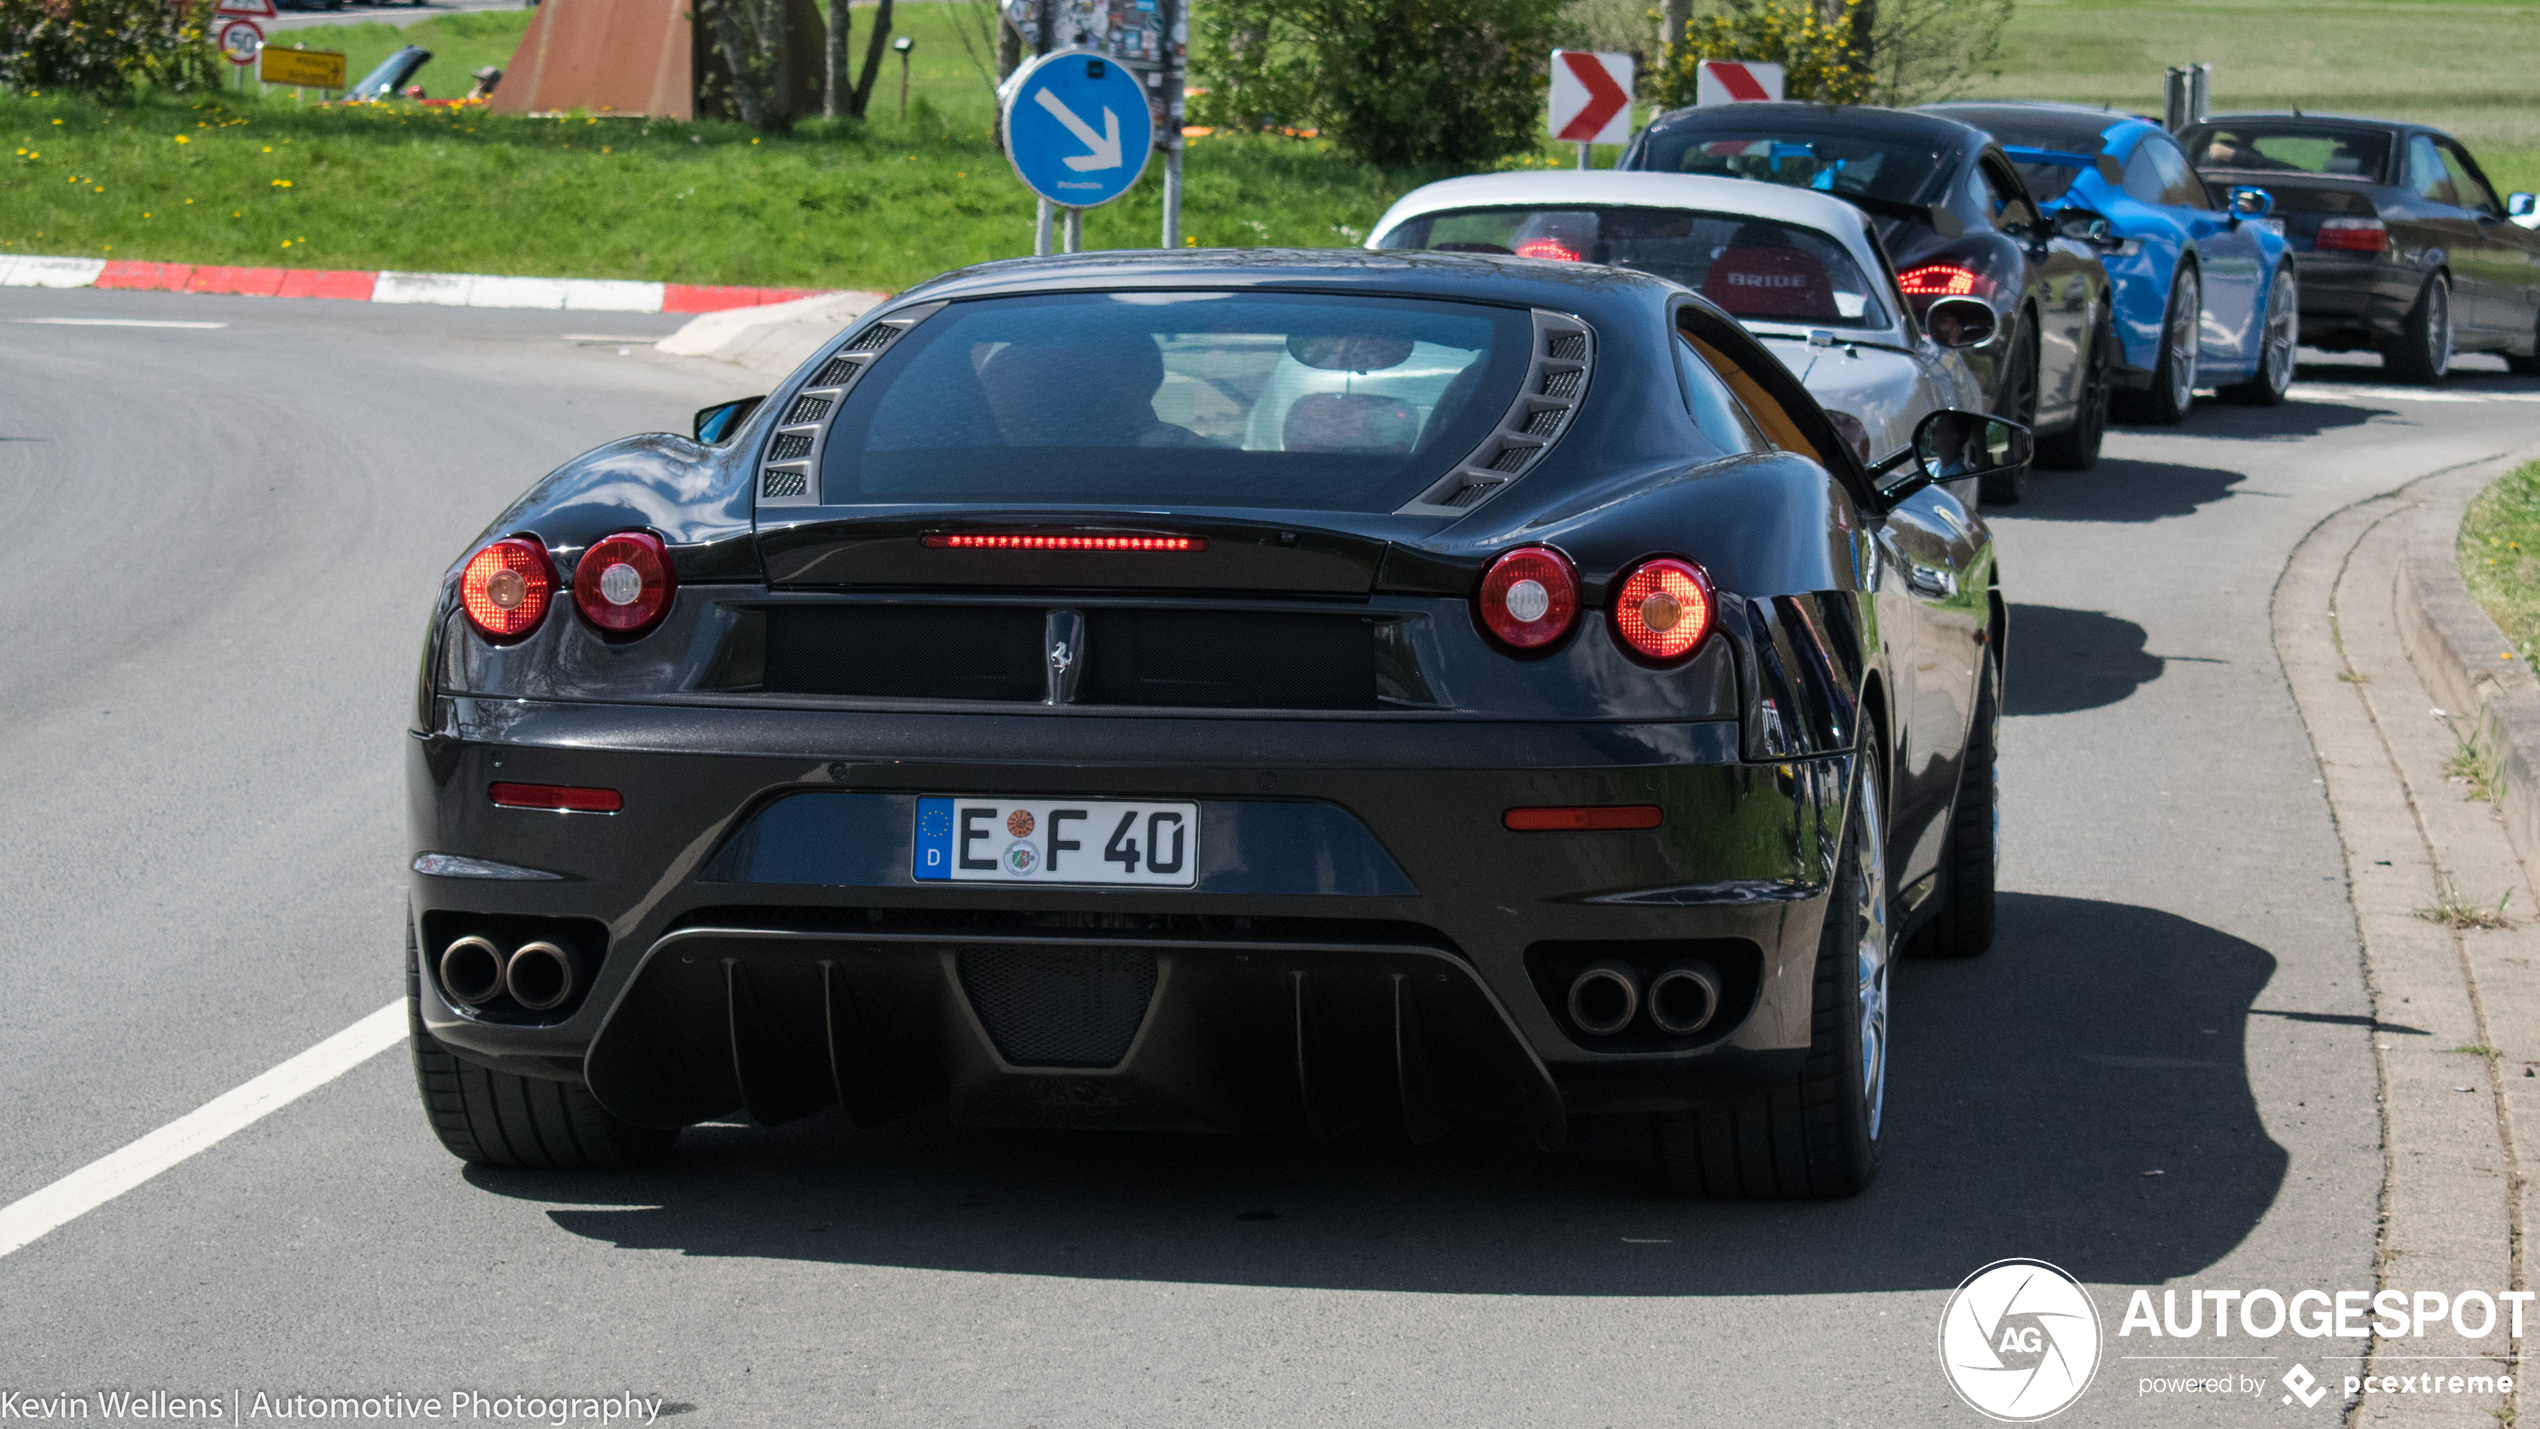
1800 270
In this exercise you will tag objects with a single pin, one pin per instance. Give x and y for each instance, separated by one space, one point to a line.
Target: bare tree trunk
1673 17
838 54
874 44
732 35
1865 19
1009 48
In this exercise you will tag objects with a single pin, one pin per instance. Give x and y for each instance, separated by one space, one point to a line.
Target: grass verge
2500 556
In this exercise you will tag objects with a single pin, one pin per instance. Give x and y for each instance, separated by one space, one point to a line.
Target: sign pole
1041 231
1176 31
1583 157
1075 230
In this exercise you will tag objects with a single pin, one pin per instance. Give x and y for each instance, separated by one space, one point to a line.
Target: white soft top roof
1704 193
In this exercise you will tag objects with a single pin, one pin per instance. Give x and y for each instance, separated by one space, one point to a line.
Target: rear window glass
2310 149
1178 399
1835 164
1753 268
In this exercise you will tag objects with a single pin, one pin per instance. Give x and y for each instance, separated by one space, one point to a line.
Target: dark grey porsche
1217 692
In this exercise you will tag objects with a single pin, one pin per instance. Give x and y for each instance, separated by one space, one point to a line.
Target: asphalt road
226 539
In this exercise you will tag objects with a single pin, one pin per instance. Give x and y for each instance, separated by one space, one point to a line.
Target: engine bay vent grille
790 446
781 483
798 438
809 409
1059 1007
1556 383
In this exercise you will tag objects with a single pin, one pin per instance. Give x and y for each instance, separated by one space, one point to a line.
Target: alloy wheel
2187 309
2284 329
2438 328
1873 955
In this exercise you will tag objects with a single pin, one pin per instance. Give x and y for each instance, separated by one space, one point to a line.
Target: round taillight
505 587
1529 597
624 582
1663 608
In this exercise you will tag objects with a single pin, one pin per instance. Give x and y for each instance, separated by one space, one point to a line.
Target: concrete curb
2454 647
462 290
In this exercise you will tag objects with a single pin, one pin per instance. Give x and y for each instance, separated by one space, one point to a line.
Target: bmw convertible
1245 691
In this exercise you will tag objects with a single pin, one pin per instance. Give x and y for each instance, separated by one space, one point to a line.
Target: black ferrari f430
1219 692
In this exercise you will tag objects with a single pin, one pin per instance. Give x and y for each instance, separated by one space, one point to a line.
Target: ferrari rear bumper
1363 936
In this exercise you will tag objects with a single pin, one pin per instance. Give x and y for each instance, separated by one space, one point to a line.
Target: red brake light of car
1663 609
1553 249
1590 817
557 796
2352 235
966 541
624 582
1944 280
506 586
1529 597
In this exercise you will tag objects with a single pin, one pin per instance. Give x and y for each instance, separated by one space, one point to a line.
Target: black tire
1962 927
2172 394
489 1118
2422 353
2274 377
2016 398
2077 448
1817 1136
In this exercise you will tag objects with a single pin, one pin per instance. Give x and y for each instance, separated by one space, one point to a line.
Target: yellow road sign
311 69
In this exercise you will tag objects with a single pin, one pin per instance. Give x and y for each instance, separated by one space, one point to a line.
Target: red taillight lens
1663 609
2352 235
1552 248
624 582
1944 280
557 796
1529 597
1589 817
506 587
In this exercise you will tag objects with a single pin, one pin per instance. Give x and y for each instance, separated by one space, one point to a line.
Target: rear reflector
2352 235
1590 816
557 796
960 541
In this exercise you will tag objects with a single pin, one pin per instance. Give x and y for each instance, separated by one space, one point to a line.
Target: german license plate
1109 841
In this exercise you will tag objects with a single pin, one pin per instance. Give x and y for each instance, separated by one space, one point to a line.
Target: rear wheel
2423 350
2173 391
1817 1135
1963 926
2015 398
2266 387
2078 449
489 1118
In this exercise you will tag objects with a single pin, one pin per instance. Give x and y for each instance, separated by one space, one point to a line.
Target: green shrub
1396 83
104 47
1898 52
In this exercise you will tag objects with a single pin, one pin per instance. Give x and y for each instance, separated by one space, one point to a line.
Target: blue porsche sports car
2205 291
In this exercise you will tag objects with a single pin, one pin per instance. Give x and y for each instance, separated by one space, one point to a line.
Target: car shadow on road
2033 1089
2067 660
2120 490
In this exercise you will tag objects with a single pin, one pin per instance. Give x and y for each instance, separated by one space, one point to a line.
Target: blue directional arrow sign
1077 127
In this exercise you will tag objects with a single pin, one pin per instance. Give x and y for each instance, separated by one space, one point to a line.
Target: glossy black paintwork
1822 642
2053 288
2363 300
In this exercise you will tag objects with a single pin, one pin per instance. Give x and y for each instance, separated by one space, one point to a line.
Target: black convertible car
2402 244
1958 221
1216 691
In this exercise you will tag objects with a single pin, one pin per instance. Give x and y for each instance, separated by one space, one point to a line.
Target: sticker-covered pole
1176 36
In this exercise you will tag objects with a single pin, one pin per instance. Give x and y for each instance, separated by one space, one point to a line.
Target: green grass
887 203
2465 65
2500 556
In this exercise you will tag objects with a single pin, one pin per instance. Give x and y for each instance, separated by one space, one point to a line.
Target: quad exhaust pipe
1605 998
1608 995
538 974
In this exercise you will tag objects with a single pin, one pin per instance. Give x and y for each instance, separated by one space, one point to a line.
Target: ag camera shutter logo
2019 1341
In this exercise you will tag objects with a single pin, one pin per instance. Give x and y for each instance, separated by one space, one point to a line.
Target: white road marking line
116 1172
2324 392
109 322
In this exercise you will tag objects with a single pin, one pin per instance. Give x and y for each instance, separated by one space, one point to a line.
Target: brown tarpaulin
638 57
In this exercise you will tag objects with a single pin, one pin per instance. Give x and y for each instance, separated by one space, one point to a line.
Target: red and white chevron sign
1736 82
1591 97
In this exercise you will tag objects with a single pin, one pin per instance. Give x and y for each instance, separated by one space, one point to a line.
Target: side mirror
1960 322
2251 203
2085 226
2520 205
716 424
1951 445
